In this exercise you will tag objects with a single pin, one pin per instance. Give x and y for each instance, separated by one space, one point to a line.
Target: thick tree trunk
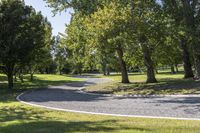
124 72
197 66
10 80
9 70
186 60
149 64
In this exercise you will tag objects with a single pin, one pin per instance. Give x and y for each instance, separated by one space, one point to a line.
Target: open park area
68 108
87 66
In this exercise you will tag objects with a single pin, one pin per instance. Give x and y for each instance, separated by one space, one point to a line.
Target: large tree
174 10
22 35
186 14
108 28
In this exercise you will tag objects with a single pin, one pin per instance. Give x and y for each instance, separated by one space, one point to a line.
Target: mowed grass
167 84
40 81
16 117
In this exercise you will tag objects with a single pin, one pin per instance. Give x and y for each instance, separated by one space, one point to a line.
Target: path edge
103 114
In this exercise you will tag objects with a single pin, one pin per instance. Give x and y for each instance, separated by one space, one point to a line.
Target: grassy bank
167 84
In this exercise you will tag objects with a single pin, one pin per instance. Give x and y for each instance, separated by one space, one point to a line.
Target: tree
108 31
43 38
148 32
22 34
191 18
187 14
175 11
60 54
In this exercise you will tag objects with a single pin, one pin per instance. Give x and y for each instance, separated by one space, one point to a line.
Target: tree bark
149 64
10 80
188 73
172 69
9 70
21 76
197 66
107 70
31 77
124 72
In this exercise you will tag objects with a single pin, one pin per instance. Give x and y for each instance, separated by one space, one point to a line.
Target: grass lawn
167 84
19 118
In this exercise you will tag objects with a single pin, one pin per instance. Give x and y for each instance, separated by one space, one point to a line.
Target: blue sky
58 22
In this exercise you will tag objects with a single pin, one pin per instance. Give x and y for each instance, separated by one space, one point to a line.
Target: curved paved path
69 97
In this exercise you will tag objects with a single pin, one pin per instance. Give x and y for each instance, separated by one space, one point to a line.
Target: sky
58 22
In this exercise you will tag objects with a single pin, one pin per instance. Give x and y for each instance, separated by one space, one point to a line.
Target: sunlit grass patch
167 84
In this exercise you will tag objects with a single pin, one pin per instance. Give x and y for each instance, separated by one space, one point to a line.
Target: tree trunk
124 72
60 71
21 76
15 77
197 66
172 69
31 77
104 69
188 73
107 69
149 64
176 68
10 80
9 70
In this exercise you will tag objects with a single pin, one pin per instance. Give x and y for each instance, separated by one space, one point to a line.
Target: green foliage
99 29
25 37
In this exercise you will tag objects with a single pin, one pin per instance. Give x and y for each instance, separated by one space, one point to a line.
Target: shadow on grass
68 127
164 86
168 85
35 122
9 96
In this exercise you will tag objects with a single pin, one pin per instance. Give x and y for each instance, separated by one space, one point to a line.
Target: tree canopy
24 36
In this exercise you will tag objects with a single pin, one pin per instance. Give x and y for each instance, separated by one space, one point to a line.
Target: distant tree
60 54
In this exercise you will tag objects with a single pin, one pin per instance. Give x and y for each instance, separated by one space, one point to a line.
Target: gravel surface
70 97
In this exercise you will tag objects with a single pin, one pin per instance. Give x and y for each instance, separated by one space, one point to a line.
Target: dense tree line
103 36
132 33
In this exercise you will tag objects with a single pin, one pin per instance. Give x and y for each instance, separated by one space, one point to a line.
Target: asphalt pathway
68 97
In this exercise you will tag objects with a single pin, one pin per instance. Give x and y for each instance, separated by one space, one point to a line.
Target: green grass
167 84
137 77
40 81
16 117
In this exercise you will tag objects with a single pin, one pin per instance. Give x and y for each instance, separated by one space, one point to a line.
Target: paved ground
70 98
